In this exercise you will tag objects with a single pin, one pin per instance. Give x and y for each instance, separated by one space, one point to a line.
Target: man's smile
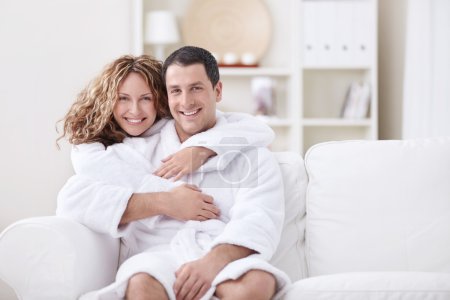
190 112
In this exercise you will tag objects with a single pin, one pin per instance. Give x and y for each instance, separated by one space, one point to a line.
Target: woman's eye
123 98
148 98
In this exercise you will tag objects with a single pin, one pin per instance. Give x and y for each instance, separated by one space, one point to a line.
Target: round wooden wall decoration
228 26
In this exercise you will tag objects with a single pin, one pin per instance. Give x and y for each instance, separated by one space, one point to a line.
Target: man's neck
183 136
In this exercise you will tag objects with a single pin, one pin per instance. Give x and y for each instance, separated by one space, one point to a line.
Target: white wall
49 49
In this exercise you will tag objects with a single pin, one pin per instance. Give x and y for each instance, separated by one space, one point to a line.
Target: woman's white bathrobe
245 183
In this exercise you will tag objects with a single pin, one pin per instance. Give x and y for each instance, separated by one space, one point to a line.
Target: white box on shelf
344 28
326 36
310 40
363 29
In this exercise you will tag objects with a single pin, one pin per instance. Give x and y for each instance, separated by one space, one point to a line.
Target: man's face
192 99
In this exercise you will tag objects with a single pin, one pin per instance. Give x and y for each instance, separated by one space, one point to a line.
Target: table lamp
161 30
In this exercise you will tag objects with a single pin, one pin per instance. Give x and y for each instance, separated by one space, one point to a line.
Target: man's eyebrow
196 83
173 86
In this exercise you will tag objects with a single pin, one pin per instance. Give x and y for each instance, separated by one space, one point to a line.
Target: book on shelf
357 101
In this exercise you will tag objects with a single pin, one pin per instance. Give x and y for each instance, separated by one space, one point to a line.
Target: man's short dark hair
189 55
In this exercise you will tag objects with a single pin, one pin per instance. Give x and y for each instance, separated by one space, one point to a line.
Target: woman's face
134 110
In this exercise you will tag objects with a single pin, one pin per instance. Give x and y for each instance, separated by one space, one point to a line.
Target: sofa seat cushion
378 206
373 285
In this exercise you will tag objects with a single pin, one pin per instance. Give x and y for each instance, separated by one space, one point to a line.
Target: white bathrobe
246 186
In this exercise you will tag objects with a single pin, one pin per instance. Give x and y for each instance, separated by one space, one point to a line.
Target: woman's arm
108 208
184 203
233 128
109 191
239 130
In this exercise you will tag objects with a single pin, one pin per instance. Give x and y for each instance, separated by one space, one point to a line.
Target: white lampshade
160 30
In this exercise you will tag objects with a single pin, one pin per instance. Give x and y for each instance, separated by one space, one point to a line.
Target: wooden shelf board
336 122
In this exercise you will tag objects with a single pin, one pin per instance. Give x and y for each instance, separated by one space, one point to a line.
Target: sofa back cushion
378 206
290 254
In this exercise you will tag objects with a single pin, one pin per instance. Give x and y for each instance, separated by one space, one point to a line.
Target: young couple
197 200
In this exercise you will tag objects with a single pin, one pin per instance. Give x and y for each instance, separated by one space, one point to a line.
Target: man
225 257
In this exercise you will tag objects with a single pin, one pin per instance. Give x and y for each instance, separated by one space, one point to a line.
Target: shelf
336 67
259 71
275 122
335 122
310 88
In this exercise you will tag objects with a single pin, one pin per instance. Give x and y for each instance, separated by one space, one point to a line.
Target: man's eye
197 88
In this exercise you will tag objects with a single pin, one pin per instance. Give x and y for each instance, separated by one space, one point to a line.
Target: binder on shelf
310 42
362 28
357 102
344 28
325 23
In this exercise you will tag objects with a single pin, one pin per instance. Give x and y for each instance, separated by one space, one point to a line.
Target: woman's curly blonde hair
90 119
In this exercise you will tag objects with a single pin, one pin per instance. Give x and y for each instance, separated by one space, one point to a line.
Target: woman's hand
187 202
183 162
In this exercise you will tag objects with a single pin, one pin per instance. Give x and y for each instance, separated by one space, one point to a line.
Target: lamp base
159 52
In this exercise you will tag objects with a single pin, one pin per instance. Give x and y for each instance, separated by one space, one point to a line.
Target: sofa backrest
378 206
289 256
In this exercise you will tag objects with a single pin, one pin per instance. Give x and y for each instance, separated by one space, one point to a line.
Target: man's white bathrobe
246 186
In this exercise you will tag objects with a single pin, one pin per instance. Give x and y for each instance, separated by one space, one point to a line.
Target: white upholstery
378 206
48 258
364 220
290 255
56 259
373 285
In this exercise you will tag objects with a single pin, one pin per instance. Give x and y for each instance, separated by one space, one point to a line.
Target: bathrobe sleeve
120 164
256 218
95 204
239 129
105 179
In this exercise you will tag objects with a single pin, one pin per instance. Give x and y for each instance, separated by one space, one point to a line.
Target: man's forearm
224 254
143 205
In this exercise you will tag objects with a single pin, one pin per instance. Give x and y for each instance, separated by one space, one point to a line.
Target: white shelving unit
318 48
339 47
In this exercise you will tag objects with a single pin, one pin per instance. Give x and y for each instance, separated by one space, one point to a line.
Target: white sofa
364 220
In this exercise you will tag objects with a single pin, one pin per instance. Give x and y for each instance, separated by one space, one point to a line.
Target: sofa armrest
56 258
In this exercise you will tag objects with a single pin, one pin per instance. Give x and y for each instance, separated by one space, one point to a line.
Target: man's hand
183 162
194 278
187 202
